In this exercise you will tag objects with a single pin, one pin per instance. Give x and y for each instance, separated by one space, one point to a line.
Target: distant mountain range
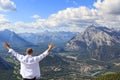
100 42
44 38
41 39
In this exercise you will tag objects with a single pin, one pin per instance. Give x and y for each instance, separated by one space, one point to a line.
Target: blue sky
58 15
43 8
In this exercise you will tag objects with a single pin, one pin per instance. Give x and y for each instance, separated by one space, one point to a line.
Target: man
29 68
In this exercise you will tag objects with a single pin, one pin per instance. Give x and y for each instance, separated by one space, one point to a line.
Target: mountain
58 38
101 42
12 38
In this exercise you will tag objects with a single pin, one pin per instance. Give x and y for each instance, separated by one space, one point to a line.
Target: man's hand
6 45
50 46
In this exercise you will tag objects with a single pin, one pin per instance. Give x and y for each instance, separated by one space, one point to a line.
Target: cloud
72 18
76 19
7 5
108 12
35 24
105 13
107 6
23 24
36 16
3 19
4 22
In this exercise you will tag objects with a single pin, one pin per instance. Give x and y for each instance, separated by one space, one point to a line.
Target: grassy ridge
109 76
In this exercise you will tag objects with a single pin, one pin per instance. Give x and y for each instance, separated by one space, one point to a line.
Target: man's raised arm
44 54
50 47
17 55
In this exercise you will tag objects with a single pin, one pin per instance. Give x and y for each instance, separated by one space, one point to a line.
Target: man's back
29 67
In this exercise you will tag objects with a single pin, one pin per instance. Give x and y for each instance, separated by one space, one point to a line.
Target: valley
70 66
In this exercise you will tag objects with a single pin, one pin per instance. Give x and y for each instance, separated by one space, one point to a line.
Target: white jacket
29 65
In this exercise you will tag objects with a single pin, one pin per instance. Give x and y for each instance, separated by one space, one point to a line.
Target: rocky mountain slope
100 42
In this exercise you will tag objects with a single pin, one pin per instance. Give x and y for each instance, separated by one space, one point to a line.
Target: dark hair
29 51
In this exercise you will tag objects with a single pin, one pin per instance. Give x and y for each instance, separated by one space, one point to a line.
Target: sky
33 16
